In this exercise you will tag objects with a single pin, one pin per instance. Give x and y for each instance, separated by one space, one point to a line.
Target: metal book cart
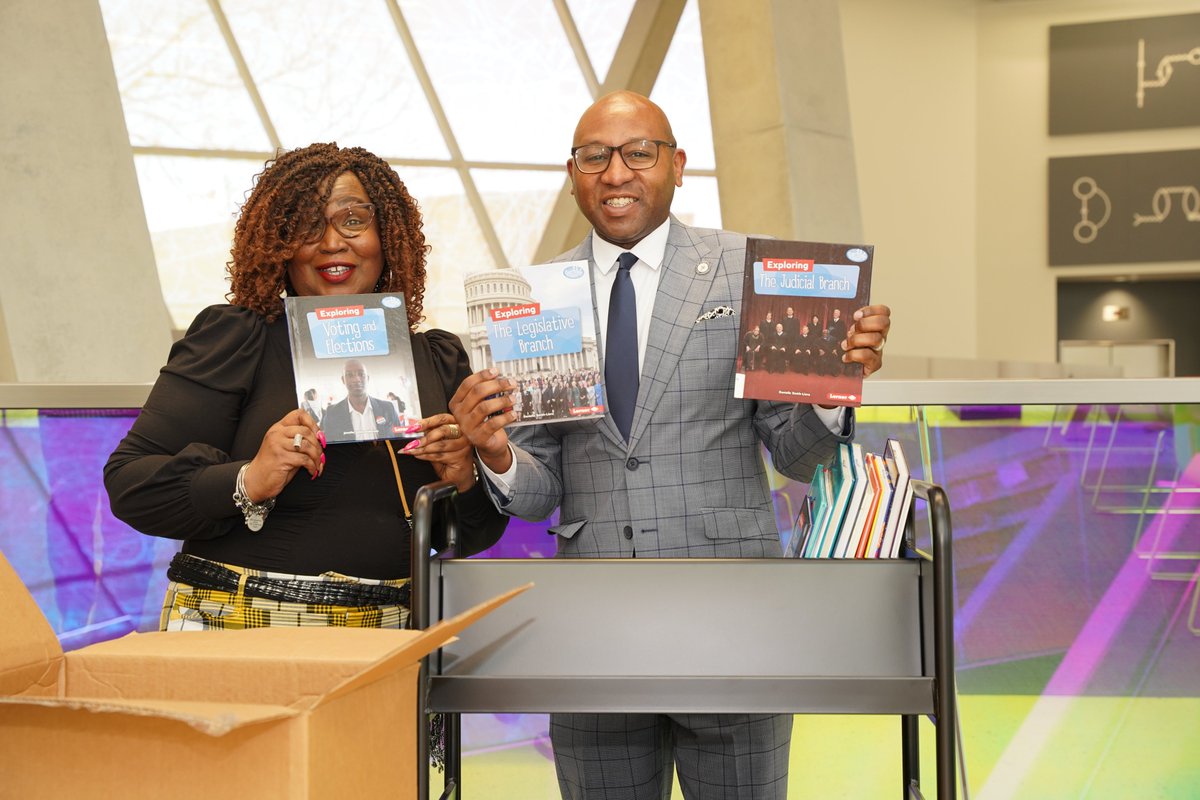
694 635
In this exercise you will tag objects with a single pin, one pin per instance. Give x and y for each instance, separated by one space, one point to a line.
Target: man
791 323
752 345
831 362
837 326
837 332
779 348
640 482
359 416
802 352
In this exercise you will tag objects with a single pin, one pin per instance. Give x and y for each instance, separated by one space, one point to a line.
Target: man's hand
483 406
866 337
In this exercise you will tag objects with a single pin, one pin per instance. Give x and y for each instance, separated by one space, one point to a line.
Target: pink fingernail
321 439
322 458
413 428
413 445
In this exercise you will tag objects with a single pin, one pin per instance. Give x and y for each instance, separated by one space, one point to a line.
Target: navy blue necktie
621 347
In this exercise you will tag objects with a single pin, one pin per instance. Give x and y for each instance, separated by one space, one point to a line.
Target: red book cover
798 300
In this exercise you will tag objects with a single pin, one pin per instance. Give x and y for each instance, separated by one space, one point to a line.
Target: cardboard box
265 713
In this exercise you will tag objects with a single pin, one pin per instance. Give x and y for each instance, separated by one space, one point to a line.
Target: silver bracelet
254 513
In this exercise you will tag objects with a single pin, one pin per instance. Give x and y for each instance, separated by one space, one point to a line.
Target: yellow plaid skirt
187 607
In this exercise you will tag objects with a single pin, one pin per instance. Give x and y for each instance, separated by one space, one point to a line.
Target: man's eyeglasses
348 221
638 154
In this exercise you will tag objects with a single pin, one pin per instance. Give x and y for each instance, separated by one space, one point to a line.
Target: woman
220 448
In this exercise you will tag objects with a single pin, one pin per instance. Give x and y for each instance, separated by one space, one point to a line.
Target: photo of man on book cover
353 363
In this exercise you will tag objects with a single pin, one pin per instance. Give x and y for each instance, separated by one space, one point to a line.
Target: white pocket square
719 311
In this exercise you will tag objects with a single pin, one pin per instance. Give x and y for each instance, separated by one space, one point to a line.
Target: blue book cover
821 490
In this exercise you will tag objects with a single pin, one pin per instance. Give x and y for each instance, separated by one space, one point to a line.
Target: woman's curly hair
292 189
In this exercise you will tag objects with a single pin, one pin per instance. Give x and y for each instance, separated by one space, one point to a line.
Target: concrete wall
80 299
948 100
1015 282
910 68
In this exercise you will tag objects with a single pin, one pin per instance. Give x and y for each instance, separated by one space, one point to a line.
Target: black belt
205 574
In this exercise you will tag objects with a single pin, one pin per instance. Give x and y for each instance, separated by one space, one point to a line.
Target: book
856 506
841 485
802 527
857 503
536 325
893 535
821 490
798 299
878 465
868 521
353 364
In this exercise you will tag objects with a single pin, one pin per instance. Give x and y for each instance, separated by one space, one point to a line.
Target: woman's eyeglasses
348 221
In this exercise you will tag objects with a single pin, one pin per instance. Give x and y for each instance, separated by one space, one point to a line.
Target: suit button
632 464
628 532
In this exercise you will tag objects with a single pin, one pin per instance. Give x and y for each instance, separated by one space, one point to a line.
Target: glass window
600 26
336 72
178 81
682 91
505 74
519 204
457 245
696 202
191 206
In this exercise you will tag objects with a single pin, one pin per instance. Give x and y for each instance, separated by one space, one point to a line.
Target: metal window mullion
457 162
244 71
576 41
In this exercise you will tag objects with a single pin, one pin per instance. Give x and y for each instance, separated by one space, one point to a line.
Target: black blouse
225 383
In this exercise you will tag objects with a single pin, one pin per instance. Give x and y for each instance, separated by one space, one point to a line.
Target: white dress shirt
364 423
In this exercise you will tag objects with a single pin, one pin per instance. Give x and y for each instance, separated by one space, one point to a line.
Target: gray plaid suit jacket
691 481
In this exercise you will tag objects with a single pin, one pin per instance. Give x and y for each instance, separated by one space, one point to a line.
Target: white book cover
878 465
353 364
893 537
859 503
870 507
537 326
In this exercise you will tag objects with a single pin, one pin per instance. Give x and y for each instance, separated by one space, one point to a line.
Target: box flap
424 643
214 719
30 655
282 666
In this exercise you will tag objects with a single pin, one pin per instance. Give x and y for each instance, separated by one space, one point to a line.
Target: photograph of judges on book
798 302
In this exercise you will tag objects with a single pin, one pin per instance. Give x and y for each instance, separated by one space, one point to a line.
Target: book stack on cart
856 507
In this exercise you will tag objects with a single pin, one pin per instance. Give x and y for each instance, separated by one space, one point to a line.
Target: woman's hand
290 445
443 445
